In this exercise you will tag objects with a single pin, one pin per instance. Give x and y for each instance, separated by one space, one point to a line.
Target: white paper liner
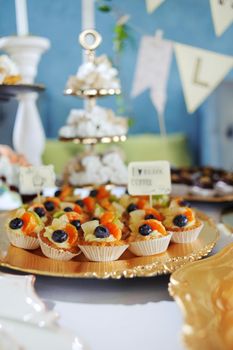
187 236
23 241
56 254
151 246
102 253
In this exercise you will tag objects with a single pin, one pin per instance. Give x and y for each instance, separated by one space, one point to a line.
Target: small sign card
34 179
149 178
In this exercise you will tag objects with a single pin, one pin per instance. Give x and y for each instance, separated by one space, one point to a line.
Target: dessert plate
25 323
9 91
127 266
204 290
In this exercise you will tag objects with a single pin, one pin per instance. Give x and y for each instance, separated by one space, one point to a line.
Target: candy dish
29 325
203 290
127 266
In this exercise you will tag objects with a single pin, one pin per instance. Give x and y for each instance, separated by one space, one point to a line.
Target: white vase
28 133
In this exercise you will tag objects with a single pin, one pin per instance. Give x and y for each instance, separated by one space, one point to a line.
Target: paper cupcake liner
105 253
56 254
150 247
22 241
187 236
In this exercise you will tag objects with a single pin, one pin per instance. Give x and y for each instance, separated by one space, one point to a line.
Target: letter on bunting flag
201 71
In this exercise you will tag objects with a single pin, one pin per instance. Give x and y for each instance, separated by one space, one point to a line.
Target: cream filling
154 234
92 238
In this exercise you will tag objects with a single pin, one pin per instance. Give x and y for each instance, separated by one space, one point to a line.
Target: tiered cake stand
90 40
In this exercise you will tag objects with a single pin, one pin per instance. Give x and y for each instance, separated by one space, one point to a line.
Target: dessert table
120 314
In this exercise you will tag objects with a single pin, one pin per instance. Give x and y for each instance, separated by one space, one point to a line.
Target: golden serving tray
204 290
128 266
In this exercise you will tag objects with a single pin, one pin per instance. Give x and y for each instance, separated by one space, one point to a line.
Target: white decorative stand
28 133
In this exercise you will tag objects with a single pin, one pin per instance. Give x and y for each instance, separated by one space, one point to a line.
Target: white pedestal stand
28 133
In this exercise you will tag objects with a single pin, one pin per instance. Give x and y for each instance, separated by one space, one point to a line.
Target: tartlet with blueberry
51 204
102 239
59 241
40 210
148 235
183 224
23 228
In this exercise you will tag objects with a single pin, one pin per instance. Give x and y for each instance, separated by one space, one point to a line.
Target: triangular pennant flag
155 54
151 5
201 71
222 14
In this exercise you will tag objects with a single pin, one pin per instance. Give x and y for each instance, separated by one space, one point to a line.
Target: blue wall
186 21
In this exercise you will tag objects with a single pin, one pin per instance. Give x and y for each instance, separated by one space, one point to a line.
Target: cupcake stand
90 40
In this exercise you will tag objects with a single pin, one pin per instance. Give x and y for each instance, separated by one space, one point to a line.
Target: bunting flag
222 15
155 54
152 5
201 71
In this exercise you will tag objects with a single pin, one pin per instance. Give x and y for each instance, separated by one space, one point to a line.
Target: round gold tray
128 266
89 93
94 140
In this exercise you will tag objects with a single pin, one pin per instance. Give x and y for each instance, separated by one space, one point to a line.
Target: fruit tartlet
72 218
59 241
23 228
148 237
182 223
102 239
40 210
51 204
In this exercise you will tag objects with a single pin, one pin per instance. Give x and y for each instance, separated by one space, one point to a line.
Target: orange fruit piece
114 230
66 190
89 203
189 214
78 209
29 223
72 234
108 216
105 203
102 193
141 203
155 212
156 226
71 215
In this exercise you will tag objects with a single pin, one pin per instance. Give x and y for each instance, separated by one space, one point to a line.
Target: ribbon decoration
222 15
152 5
155 54
201 71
